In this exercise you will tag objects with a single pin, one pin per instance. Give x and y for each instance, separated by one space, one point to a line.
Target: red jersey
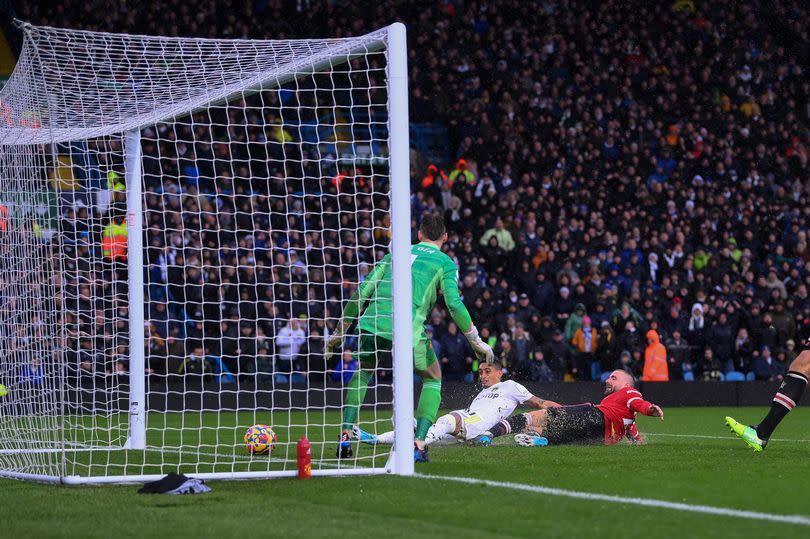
620 409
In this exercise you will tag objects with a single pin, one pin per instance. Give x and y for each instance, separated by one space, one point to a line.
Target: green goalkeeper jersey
431 271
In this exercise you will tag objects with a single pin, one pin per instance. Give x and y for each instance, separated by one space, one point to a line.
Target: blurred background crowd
625 185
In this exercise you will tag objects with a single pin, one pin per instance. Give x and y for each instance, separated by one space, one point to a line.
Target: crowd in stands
629 188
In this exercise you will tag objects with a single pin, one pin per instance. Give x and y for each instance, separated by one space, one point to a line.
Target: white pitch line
717 437
646 502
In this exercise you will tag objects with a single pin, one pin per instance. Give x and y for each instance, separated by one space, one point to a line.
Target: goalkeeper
431 271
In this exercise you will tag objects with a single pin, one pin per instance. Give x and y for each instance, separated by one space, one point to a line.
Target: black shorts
578 424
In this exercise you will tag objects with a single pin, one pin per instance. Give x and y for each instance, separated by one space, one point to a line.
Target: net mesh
265 201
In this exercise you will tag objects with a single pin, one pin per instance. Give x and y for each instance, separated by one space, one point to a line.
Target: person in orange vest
3 218
356 181
434 176
433 181
655 360
114 241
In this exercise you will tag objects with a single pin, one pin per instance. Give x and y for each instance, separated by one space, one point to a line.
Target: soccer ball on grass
260 440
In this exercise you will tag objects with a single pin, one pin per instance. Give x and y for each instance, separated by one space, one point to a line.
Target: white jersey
497 402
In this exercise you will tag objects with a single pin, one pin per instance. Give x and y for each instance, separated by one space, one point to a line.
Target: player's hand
639 439
656 411
332 344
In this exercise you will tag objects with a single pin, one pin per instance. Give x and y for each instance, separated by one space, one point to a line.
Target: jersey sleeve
452 297
518 392
636 403
365 291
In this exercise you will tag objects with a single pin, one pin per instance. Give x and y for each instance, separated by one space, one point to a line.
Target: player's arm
540 404
636 403
461 316
357 302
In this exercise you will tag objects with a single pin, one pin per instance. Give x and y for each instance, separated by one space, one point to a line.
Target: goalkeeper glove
333 343
481 349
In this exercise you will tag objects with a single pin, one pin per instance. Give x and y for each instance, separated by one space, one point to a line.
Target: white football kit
492 405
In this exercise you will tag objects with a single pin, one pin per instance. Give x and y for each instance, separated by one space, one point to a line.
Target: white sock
443 426
386 438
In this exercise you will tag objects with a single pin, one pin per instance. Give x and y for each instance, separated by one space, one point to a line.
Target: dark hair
432 226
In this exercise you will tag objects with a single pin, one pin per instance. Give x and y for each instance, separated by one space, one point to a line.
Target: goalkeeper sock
787 397
355 397
515 423
429 400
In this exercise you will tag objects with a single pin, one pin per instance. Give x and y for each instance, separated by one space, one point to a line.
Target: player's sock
355 397
386 438
515 423
429 400
787 397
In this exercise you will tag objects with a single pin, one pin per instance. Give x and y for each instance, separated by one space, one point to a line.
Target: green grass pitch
691 458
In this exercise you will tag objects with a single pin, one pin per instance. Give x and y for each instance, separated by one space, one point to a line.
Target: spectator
710 368
344 370
289 341
574 321
196 364
558 355
543 294
622 315
523 346
721 339
743 352
630 339
586 345
457 356
505 353
783 321
679 356
500 233
790 351
461 176
564 306
627 364
655 360
525 311
607 347
537 370
32 374
696 329
766 367
599 316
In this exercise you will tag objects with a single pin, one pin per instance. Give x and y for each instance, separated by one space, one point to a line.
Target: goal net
182 222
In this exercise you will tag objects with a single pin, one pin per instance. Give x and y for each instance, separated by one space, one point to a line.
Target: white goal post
182 221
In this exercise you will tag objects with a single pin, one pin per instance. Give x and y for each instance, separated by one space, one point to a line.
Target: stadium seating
635 180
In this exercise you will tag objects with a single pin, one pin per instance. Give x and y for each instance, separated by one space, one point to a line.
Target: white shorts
472 424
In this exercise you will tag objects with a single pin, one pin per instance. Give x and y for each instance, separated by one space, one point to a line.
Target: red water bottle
304 458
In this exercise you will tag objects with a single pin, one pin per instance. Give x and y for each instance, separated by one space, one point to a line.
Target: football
260 440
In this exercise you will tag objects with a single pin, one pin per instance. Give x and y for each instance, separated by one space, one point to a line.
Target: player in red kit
621 403
605 423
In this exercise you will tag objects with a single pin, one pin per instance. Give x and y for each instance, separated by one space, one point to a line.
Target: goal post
400 248
182 221
136 438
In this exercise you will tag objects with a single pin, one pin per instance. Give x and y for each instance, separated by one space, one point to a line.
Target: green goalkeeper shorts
374 350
